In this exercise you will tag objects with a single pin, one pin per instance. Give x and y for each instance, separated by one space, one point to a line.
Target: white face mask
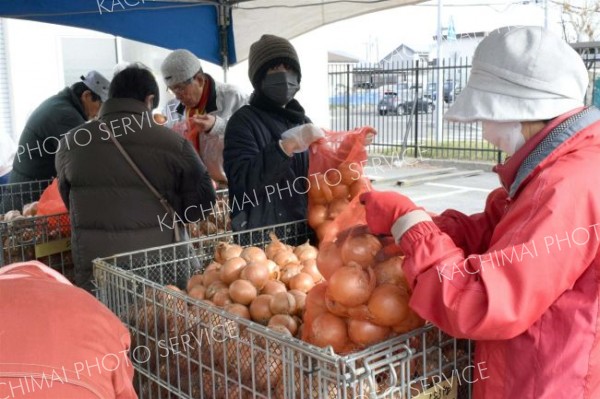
506 136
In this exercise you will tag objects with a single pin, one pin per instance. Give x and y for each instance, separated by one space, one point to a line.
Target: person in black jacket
112 210
265 155
50 121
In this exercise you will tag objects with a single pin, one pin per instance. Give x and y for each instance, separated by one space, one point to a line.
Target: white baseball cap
97 83
524 73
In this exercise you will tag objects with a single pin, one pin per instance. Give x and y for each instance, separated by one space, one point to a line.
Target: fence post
415 107
347 97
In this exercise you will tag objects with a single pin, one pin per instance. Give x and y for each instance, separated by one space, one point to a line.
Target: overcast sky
415 26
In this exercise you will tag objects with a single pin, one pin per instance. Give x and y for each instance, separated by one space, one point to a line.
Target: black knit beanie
268 52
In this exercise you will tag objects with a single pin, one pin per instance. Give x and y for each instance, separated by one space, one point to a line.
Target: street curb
416 174
424 179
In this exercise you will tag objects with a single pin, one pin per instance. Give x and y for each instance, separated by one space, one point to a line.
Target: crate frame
323 373
48 237
19 194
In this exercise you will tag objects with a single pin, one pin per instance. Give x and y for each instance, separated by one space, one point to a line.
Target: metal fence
400 100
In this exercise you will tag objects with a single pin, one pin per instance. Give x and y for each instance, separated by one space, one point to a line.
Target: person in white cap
50 121
203 109
522 277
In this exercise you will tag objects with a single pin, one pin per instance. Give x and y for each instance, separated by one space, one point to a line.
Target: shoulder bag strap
163 201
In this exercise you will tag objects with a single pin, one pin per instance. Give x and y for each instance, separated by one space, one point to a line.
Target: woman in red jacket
57 341
523 277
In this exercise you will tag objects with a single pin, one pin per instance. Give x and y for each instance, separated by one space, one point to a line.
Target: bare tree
580 21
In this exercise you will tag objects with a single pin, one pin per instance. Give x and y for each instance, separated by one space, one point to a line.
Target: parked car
393 103
451 90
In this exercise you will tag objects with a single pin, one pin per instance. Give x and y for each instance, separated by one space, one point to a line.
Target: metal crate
48 238
45 238
186 348
13 196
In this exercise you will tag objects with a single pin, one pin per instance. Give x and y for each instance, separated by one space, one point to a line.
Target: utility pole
440 88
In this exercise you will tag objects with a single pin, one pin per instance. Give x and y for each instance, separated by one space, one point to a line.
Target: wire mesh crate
48 238
13 196
187 348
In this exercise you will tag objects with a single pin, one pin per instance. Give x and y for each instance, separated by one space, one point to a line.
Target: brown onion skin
260 310
196 279
242 292
283 303
351 285
361 249
302 282
284 320
272 287
252 254
257 273
365 333
238 309
231 269
329 330
300 298
329 259
389 305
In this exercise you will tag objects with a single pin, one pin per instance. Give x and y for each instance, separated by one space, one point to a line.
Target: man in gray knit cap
203 109
266 141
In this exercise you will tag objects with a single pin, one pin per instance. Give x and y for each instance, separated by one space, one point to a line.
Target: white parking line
483 190
426 197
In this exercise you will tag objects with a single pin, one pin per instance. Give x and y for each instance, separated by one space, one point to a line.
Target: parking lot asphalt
438 188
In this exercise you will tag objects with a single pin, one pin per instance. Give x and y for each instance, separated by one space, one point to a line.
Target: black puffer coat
266 186
111 209
40 138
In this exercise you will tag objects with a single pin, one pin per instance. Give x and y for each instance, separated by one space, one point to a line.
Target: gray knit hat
180 66
267 52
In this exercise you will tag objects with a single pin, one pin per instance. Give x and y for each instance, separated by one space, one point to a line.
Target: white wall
36 70
35 64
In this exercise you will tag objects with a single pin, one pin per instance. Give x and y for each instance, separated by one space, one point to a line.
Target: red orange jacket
57 341
523 277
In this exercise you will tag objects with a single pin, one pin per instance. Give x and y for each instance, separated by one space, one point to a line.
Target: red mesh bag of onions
364 299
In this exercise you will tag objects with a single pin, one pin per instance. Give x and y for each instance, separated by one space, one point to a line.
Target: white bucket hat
521 74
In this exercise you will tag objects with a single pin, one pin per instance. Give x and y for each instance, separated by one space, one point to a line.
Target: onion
226 251
388 305
257 273
360 186
260 310
274 270
212 289
365 333
315 302
317 214
231 270
350 171
336 308
212 266
329 259
361 249
222 298
282 258
242 292
284 320
336 207
390 271
340 191
306 252
290 271
389 250
275 246
211 276
319 191
283 303
197 292
300 298
410 322
329 330
351 285
273 287
302 282
251 254
238 309
327 231
280 328
196 279
310 266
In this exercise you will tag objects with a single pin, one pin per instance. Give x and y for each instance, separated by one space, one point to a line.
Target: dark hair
135 82
79 87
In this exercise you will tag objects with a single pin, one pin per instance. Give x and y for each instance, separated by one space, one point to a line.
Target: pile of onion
364 299
267 285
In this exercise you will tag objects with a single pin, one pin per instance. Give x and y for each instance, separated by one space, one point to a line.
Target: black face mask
280 87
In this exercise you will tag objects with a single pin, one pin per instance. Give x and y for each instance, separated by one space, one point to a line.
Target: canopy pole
224 21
